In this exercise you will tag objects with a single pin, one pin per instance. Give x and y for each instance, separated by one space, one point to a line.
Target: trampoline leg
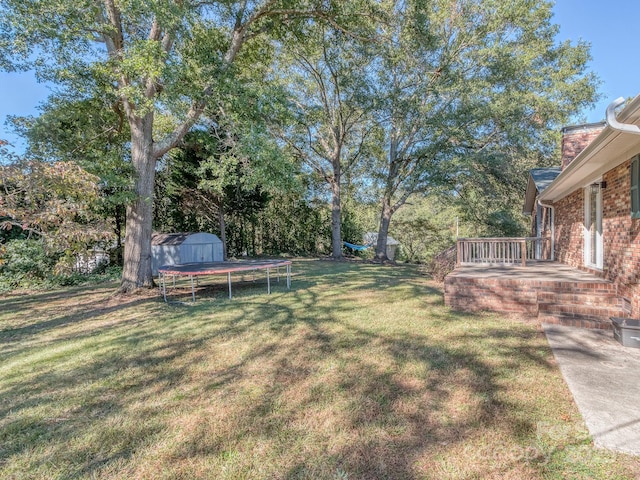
229 281
268 283
193 291
164 288
288 277
278 274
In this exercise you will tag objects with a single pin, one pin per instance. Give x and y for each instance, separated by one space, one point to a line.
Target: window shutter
635 187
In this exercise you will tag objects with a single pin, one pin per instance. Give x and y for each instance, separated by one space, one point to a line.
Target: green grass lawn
358 372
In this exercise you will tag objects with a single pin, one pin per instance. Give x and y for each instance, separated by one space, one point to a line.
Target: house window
635 187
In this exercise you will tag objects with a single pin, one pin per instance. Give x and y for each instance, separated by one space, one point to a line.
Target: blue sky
610 27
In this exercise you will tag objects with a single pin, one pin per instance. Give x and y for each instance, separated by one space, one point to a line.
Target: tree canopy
329 127
381 99
151 57
56 202
470 88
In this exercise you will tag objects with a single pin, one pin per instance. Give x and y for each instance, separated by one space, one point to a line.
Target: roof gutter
612 121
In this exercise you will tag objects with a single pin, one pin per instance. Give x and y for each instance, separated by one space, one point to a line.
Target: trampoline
192 270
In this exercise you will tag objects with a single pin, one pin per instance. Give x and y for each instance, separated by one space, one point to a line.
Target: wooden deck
550 291
535 270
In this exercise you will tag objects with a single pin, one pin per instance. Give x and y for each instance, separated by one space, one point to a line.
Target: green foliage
89 131
24 263
261 217
353 225
104 272
424 226
157 60
92 132
55 202
468 93
220 173
489 193
329 129
457 96
29 264
287 225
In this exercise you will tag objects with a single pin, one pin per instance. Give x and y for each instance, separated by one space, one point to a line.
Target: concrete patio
604 379
602 375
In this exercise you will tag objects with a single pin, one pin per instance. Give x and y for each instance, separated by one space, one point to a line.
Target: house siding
545 229
621 234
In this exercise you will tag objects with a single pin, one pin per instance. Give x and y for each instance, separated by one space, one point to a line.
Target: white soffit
606 151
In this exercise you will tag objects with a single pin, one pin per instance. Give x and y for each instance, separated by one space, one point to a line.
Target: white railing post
503 251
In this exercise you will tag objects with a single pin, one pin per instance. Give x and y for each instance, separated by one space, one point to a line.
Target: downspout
538 231
613 122
552 222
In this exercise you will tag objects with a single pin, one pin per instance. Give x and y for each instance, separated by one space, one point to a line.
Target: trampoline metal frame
216 268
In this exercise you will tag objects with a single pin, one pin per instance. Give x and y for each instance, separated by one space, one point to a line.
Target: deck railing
503 251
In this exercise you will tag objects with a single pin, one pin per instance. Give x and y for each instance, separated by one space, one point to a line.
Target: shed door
202 252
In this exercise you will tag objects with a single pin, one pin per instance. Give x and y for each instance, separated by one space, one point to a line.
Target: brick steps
579 303
583 321
577 309
586 309
574 310
590 299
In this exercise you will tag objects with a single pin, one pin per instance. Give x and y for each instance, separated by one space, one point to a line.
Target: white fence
503 251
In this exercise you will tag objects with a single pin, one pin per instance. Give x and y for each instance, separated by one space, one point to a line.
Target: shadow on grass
83 311
309 383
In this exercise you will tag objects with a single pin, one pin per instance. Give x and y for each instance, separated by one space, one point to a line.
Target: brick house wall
576 138
569 224
621 234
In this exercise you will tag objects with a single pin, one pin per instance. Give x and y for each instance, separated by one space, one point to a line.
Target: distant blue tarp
356 247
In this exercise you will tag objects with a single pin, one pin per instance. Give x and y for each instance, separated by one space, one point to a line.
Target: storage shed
371 238
178 248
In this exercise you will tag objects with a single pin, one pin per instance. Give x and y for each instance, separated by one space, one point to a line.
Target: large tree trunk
223 229
119 216
336 234
387 210
383 231
136 272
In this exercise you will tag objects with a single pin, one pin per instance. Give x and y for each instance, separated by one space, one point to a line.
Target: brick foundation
580 304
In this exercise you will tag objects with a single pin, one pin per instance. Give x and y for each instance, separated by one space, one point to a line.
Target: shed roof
174 239
169 238
539 180
371 238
